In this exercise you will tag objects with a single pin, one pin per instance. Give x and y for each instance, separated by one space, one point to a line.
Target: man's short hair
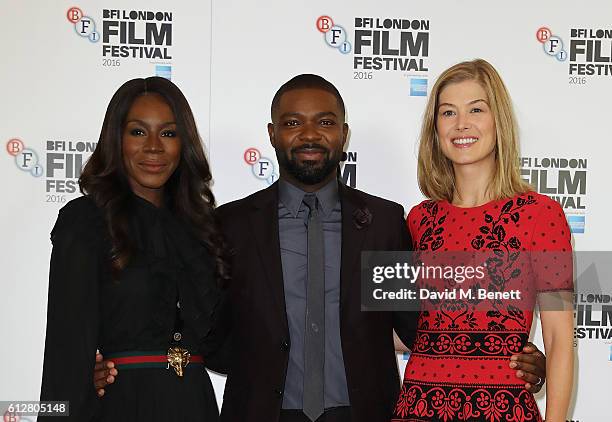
306 81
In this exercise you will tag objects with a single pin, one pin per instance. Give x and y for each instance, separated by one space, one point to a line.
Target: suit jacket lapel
352 241
264 223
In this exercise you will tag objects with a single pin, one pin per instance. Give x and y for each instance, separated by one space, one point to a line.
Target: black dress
168 285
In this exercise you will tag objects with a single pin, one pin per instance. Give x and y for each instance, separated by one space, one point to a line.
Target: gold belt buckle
178 358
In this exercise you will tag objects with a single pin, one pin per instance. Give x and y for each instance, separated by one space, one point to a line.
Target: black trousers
334 414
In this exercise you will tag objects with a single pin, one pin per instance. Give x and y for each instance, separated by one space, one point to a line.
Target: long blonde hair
435 172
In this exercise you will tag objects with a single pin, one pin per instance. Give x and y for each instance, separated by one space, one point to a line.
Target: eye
476 110
327 122
137 132
291 122
169 133
448 113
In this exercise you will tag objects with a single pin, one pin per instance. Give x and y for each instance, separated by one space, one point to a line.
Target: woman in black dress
137 268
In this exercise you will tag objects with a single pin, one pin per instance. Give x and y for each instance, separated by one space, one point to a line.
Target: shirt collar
291 196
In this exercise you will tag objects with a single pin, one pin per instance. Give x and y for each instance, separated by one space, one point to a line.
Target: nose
153 143
309 133
463 121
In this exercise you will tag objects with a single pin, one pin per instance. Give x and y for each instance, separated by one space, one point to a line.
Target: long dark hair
187 192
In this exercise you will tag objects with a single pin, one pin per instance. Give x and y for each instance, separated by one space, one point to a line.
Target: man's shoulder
239 206
375 202
231 207
263 196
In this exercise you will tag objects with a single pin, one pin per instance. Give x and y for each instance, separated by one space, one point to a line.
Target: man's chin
310 165
307 171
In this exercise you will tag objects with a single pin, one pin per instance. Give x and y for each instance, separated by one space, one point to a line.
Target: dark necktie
314 340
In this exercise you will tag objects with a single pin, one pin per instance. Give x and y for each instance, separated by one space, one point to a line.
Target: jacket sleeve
72 318
404 323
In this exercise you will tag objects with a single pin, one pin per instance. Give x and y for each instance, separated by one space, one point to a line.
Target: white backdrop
230 56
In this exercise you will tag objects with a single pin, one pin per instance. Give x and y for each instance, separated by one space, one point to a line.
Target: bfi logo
553 45
84 26
262 168
335 35
26 159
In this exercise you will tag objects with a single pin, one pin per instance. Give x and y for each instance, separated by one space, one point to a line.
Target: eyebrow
470 103
145 124
317 115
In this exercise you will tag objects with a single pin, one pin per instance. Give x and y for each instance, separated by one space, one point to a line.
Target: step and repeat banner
62 61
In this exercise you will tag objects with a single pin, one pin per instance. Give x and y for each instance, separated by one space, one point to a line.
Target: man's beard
307 172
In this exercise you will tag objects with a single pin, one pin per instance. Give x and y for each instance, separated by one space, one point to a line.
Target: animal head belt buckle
178 359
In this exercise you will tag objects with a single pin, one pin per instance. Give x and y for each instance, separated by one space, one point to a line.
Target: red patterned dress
458 370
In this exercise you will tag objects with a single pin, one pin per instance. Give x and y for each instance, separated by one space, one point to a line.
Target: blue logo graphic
163 71
611 353
576 223
405 355
418 87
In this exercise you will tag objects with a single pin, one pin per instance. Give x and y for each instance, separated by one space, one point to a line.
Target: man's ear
345 131
271 134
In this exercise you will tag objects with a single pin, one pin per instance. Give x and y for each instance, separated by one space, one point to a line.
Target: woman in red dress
479 205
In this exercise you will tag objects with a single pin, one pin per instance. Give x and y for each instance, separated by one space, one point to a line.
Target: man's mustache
310 147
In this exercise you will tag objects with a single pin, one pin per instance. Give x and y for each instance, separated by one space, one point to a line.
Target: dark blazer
256 356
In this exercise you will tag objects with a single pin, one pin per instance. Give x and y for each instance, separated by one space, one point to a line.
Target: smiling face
465 124
151 147
308 133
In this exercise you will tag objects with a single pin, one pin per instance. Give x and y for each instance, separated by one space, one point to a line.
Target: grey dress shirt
292 220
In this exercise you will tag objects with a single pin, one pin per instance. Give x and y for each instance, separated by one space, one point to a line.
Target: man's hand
531 367
104 374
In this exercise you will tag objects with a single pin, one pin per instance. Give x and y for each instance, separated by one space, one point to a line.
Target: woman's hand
104 374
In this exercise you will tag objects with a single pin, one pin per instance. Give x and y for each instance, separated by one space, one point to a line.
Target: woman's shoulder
427 207
538 203
420 213
78 206
80 216
80 209
422 206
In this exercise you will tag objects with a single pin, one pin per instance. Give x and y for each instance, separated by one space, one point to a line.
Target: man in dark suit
268 233
300 347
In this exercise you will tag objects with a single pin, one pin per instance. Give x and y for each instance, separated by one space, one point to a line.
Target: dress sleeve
202 299
224 342
412 223
551 249
202 306
72 317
